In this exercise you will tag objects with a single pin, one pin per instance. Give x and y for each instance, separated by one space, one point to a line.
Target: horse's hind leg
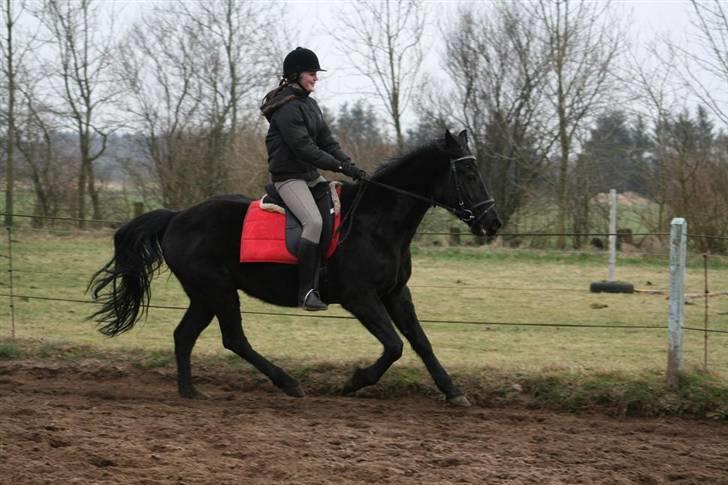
196 319
233 338
402 311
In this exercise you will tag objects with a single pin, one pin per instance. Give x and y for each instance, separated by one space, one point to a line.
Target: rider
299 142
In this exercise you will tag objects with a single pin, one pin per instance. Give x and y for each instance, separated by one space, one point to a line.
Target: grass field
495 287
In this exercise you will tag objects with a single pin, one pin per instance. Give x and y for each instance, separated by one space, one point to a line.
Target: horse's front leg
402 310
373 315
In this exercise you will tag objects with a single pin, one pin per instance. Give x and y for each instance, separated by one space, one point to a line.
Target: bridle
463 213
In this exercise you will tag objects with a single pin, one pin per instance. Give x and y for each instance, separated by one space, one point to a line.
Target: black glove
350 170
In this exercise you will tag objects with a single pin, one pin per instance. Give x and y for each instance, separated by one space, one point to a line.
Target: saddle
272 234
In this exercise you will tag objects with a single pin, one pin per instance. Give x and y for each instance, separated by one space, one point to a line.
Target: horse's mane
391 165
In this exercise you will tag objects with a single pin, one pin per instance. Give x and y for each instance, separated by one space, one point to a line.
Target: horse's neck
396 213
401 213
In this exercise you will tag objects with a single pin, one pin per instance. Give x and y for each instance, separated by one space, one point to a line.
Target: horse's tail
123 285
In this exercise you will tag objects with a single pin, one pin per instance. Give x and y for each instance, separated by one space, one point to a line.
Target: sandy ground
94 422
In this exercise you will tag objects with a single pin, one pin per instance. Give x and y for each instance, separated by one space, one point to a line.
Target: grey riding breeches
296 193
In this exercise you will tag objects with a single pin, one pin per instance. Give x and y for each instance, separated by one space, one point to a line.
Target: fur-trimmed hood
280 96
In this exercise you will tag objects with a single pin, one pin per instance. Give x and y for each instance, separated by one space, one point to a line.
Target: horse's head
464 188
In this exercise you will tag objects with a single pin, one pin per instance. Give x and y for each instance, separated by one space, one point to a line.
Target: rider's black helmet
300 60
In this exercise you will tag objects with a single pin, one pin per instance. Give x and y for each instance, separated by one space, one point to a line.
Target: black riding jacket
299 141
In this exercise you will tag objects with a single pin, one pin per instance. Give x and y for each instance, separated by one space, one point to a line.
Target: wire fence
26 267
110 223
348 317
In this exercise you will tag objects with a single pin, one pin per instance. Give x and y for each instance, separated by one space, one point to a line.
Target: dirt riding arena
94 422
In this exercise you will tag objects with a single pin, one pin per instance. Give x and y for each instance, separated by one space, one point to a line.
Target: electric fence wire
424 320
424 233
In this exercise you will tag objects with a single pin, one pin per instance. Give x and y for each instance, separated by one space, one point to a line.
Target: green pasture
494 288
477 284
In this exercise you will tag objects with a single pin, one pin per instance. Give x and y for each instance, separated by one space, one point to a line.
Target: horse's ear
463 135
450 141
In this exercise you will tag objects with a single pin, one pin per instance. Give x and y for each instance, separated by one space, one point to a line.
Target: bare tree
689 170
656 96
50 172
383 41
157 69
530 76
498 71
193 76
704 66
695 165
581 46
235 59
12 58
80 74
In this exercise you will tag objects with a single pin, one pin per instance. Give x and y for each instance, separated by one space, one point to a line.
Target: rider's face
307 80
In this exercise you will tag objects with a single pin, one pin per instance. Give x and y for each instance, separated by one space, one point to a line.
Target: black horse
367 275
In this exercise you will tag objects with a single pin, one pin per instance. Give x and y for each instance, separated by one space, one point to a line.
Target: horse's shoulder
349 189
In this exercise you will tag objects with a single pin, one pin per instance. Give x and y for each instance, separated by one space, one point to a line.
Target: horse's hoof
193 394
350 387
459 401
355 383
294 391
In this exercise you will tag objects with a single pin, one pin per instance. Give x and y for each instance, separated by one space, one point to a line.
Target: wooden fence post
454 239
138 209
678 247
11 286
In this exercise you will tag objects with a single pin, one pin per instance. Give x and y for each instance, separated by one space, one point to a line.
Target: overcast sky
314 21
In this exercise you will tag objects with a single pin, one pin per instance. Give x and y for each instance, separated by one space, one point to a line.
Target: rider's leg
297 196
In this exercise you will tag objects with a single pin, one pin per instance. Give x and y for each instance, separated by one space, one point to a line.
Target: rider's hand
349 169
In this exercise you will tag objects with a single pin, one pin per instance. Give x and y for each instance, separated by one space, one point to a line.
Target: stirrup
312 302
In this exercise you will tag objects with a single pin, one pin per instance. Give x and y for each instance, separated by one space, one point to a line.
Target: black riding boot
309 262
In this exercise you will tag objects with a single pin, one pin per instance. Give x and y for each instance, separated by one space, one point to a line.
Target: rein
461 212
348 219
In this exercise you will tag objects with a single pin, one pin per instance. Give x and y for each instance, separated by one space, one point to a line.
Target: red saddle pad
264 237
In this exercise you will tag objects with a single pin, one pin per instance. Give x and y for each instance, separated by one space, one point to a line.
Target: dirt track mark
69 424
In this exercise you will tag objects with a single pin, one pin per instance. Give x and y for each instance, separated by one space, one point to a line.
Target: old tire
611 287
